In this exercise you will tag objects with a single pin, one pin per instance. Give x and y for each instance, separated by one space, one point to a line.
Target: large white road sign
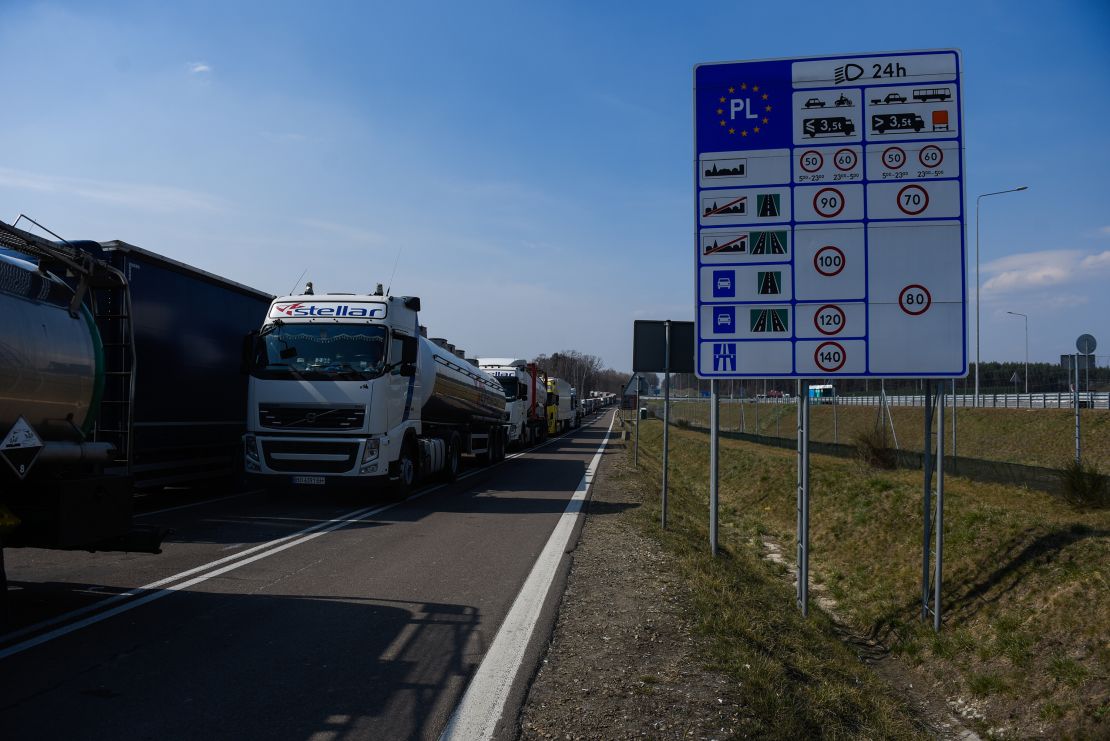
830 217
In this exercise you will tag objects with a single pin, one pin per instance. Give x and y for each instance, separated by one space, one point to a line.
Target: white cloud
199 68
1043 269
129 195
1097 261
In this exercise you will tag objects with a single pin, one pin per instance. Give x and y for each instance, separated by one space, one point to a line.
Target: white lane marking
146 589
149 596
481 707
196 504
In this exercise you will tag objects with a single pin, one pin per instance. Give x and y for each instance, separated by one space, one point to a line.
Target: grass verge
1026 599
794 677
1034 437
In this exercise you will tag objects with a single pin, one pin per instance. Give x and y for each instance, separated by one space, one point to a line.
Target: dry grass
1027 608
1035 437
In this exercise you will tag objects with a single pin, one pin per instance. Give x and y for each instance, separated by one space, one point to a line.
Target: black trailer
188 394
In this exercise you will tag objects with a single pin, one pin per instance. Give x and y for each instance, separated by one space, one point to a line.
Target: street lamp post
1026 318
977 359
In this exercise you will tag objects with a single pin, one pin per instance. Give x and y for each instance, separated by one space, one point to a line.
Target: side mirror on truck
247 351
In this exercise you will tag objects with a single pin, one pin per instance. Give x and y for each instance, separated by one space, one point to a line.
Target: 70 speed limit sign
829 217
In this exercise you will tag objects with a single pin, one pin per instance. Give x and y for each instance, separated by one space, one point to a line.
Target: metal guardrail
1058 400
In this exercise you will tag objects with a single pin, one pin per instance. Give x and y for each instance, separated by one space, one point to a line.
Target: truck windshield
336 352
510 386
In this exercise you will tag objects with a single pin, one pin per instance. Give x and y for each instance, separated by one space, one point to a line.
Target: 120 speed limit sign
829 319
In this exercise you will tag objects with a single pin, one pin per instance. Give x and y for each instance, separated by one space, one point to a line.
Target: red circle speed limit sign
829 319
830 356
844 159
930 156
913 199
915 299
894 157
829 261
828 202
811 160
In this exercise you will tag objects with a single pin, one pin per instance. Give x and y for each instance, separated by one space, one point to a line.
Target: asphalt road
368 625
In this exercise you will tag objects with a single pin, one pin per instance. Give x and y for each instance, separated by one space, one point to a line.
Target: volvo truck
345 391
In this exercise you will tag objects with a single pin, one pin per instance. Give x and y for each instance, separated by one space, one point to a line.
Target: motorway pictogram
769 320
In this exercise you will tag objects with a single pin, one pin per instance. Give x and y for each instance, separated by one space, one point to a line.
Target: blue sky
530 161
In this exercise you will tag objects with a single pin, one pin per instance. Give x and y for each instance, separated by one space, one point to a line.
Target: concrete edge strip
158 589
483 704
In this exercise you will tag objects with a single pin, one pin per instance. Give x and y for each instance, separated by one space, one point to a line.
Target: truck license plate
317 480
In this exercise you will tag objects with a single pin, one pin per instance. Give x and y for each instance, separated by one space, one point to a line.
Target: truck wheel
406 471
453 463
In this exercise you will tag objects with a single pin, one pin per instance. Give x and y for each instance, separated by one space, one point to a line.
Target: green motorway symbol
770 283
768 204
768 320
769 243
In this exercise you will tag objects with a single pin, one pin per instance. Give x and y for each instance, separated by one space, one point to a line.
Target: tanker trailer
54 489
346 392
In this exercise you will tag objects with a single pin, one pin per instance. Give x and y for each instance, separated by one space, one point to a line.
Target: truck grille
301 456
293 417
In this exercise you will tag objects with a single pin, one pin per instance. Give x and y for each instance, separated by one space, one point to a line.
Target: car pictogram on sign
815 103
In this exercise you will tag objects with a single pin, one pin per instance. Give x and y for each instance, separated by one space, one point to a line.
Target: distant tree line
994 378
585 372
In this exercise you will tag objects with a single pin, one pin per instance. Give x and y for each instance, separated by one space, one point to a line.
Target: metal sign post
803 497
714 463
933 516
1075 397
666 419
636 447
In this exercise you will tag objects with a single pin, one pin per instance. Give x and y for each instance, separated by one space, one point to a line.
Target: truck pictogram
830 126
895 122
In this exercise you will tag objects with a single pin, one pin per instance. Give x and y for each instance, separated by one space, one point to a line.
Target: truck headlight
250 445
370 452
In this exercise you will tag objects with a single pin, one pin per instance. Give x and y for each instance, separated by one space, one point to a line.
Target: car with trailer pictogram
890 99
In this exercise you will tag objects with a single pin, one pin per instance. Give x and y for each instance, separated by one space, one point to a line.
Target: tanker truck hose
98 377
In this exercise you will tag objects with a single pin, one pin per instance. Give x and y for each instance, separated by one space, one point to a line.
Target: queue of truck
121 369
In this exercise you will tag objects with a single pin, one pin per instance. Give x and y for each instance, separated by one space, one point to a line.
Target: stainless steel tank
51 363
455 391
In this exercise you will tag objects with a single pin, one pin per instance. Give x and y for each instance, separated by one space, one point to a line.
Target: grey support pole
803 497
636 457
926 502
666 417
714 463
939 576
1076 398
